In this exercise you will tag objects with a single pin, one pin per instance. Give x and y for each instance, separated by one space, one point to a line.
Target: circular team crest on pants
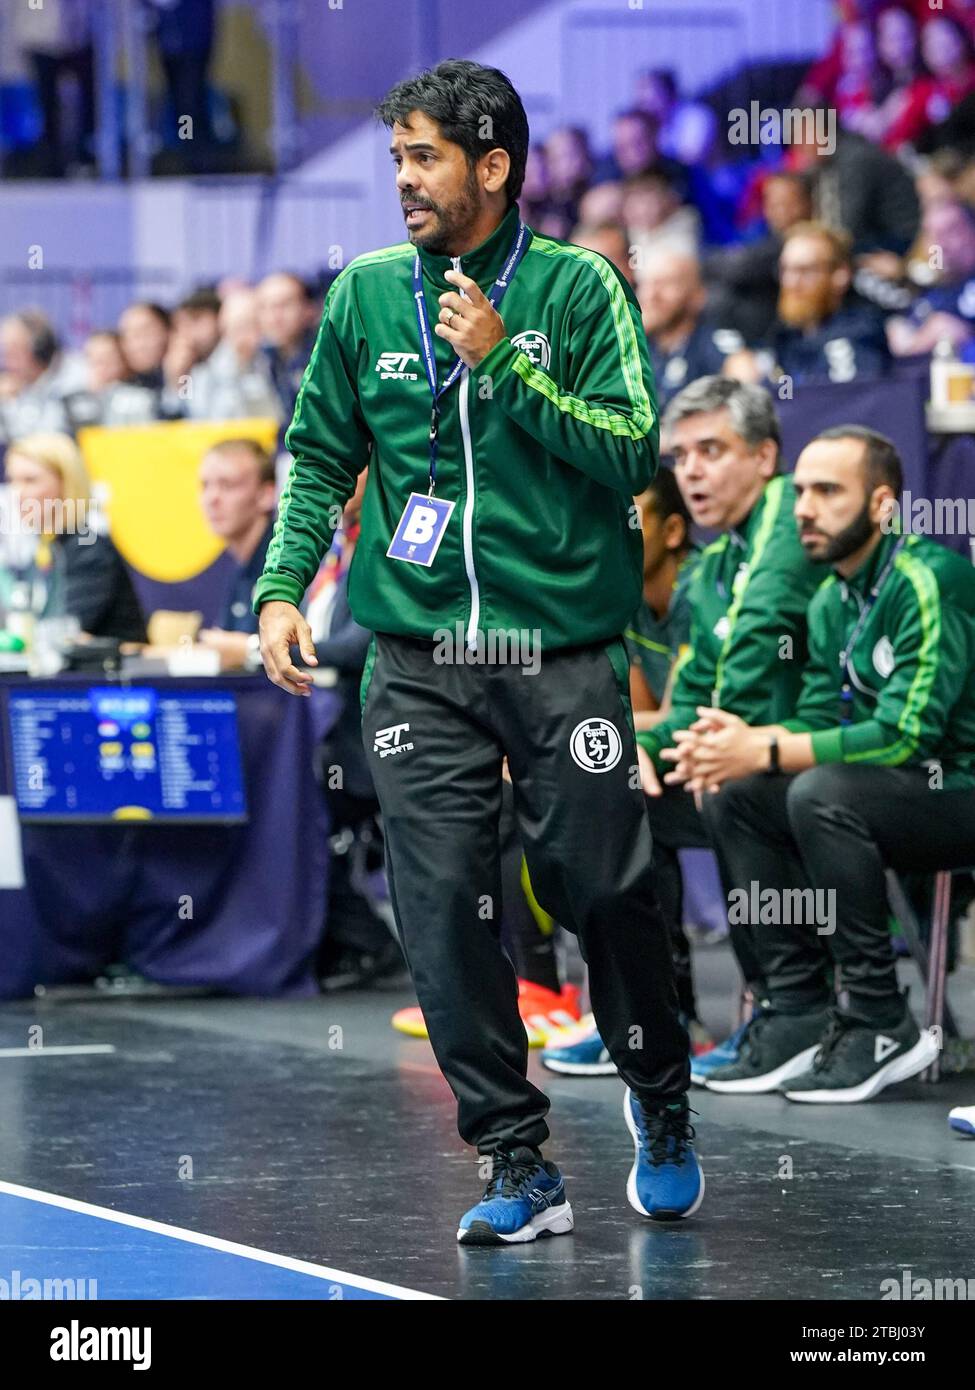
595 745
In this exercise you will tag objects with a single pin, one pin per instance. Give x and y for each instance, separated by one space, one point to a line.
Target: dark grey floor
316 1132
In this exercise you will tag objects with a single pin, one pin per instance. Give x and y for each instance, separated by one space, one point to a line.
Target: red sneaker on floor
544 1012
701 1039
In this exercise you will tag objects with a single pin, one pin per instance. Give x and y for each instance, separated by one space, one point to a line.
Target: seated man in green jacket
876 769
747 650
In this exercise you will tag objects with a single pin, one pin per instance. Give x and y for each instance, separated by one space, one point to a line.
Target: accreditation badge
421 527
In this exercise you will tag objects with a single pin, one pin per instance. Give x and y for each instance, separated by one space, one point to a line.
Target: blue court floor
54 1246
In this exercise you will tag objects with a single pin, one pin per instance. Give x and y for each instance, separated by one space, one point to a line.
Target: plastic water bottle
951 380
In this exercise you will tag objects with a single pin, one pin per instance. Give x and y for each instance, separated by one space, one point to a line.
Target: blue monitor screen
115 753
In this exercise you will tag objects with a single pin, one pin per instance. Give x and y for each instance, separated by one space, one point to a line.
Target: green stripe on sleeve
598 416
626 339
646 642
773 505
925 587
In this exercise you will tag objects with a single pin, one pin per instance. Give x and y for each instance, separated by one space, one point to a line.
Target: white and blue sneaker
580 1052
962 1118
724 1055
525 1198
666 1181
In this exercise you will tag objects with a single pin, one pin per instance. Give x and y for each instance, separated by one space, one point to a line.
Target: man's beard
804 308
453 220
847 541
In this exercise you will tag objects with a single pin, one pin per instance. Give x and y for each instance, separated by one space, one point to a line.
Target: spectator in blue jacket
946 310
822 333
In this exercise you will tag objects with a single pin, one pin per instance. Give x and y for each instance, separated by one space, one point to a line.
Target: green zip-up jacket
748 623
913 664
542 447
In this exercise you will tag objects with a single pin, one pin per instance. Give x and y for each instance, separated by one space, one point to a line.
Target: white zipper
468 527
465 428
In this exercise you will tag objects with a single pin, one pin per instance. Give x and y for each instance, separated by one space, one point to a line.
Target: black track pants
435 735
834 829
675 824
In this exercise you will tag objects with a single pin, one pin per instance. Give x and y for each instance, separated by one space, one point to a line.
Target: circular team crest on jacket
595 745
534 345
884 660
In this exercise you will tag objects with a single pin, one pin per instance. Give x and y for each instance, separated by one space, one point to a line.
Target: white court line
55 1051
231 1247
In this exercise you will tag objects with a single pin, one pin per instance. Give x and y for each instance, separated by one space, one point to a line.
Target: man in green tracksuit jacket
497 385
748 601
875 768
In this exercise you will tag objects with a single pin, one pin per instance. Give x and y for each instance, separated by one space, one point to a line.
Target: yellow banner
147 480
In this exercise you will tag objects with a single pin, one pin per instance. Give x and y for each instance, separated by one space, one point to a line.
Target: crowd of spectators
820 260
224 353
230 352
842 261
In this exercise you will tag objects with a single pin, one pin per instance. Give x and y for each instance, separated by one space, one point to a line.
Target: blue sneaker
724 1055
962 1118
580 1052
666 1181
524 1198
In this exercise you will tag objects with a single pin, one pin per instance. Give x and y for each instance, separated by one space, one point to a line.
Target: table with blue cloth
97 895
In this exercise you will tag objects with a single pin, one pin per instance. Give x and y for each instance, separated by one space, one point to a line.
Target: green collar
863 579
482 263
745 531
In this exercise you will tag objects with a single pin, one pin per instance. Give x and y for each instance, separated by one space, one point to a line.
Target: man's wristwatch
773 756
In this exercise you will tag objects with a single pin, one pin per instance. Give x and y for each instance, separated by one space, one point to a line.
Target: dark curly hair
458 95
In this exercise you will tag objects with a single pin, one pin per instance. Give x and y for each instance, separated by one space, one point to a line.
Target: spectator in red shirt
947 51
896 32
896 41
819 84
858 84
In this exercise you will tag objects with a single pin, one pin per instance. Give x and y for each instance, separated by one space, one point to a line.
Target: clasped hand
717 747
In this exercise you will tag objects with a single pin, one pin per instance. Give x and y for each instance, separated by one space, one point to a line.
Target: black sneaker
775 1048
856 1061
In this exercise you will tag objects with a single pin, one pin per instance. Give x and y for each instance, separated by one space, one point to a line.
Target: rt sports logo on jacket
394 366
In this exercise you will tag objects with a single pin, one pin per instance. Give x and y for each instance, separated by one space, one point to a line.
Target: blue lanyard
495 296
846 666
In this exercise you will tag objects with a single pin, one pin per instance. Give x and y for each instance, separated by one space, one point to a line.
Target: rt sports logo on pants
389 741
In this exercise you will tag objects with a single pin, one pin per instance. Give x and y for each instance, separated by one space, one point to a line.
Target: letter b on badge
420 526
420 531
